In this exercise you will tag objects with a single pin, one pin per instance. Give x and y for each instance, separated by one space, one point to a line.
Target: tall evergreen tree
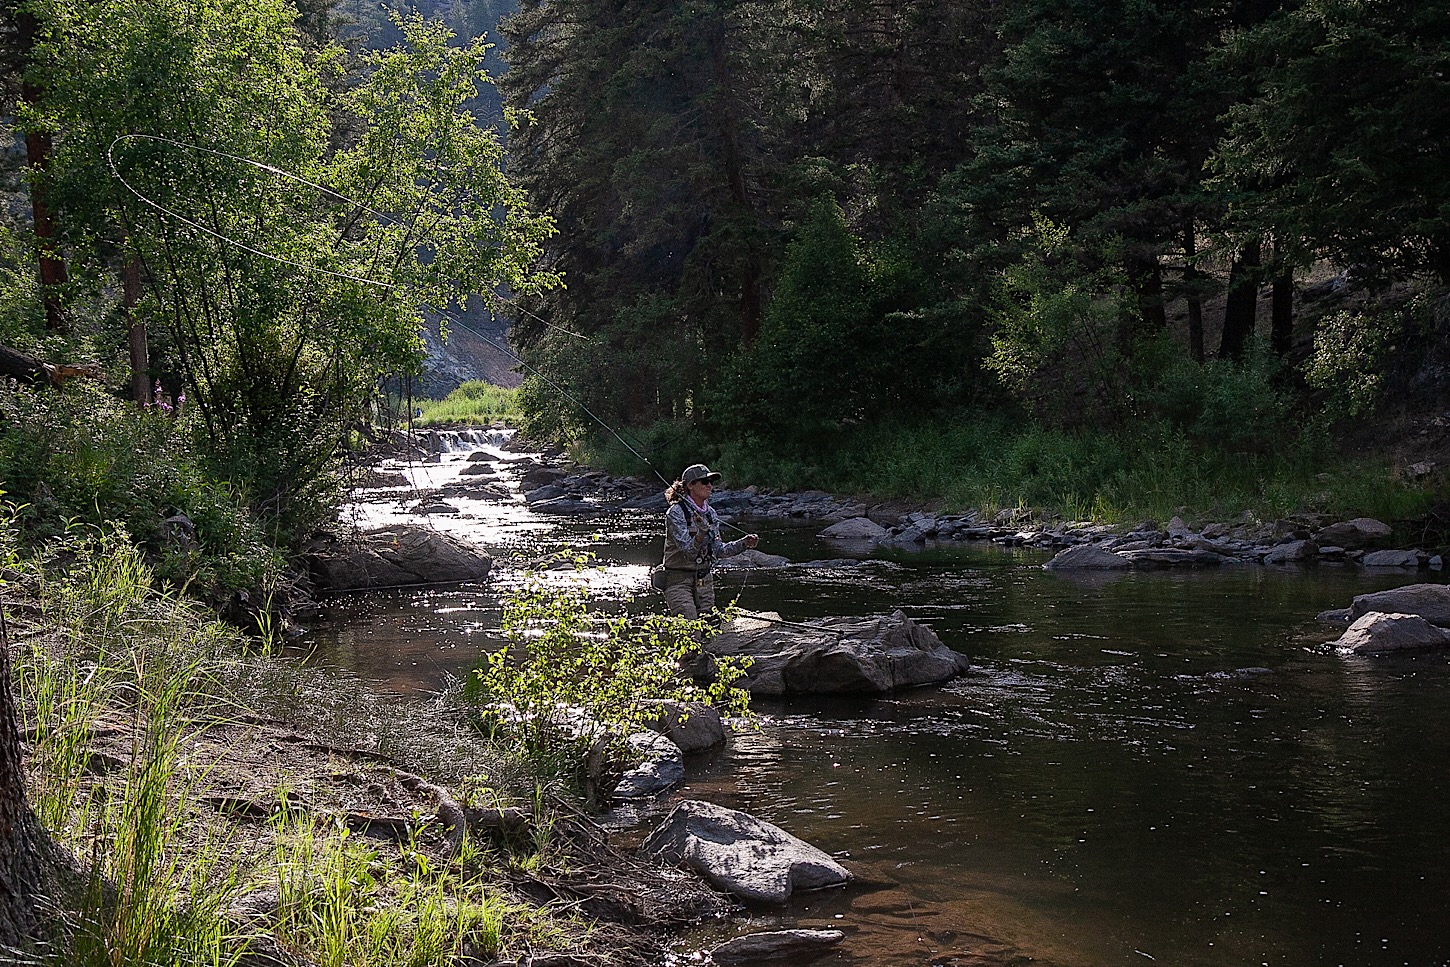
645 128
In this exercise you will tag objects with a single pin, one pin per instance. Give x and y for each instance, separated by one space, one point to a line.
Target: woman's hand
751 540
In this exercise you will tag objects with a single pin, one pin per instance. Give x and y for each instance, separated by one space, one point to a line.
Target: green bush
574 682
83 456
476 401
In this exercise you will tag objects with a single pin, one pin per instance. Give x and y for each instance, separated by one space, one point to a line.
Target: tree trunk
28 858
136 331
1282 316
1147 280
1242 304
53 274
1193 289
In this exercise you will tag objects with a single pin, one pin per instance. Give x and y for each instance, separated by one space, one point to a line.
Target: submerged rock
1377 632
404 554
797 946
741 855
837 655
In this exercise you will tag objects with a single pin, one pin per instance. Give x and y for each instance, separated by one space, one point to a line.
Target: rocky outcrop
837 655
1378 632
741 855
400 555
796 946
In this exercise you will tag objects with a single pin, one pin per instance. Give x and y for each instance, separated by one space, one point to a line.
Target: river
1146 767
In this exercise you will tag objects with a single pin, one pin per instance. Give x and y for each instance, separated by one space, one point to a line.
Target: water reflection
1162 766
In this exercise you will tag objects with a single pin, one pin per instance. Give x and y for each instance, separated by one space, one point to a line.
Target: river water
1150 767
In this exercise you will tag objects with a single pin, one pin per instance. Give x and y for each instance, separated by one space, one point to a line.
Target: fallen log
31 371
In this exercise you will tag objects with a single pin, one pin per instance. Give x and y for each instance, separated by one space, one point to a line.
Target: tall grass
473 402
117 687
990 463
335 905
155 889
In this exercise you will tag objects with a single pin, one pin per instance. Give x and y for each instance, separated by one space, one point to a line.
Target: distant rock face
391 557
1377 632
465 356
742 855
837 655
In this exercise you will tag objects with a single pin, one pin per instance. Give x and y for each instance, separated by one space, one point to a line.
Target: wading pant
689 593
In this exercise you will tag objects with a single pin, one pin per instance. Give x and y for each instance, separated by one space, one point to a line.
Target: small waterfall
469 438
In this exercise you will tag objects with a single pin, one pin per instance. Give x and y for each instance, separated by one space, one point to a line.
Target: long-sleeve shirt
692 537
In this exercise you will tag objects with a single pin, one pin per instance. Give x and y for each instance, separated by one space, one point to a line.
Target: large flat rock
1429 601
1377 633
871 655
386 557
742 855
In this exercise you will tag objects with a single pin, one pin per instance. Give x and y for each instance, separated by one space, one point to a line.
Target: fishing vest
704 529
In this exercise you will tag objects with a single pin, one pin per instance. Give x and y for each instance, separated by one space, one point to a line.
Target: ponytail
675 491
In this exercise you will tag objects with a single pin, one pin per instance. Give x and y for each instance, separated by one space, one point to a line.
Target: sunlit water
1150 767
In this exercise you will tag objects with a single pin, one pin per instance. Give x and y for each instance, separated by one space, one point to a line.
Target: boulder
661 766
855 529
1357 533
837 655
372 479
540 476
1157 557
545 492
1378 632
1429 601
1291 551
742 855
1391 559
1088 557
796 946
693 726
404 554
753 558
566 505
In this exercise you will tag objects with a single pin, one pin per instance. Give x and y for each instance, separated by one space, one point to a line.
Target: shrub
83 456
574 683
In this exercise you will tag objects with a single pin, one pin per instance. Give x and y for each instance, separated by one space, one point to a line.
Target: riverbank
246 809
